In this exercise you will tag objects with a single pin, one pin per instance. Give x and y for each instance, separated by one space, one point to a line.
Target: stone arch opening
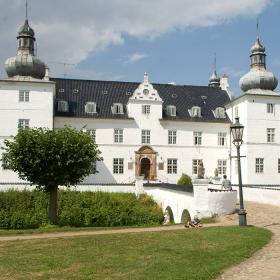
145 168
170 212
186 217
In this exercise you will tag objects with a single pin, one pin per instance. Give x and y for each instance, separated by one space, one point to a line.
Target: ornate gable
145 92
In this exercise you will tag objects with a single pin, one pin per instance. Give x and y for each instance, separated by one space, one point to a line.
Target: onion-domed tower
258 79
25 63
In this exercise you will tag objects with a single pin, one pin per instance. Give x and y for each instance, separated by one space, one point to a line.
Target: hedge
29 209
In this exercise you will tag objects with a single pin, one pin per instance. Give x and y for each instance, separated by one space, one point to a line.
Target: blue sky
121 39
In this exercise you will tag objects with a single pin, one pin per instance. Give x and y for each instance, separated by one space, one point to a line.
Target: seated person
226 184
194 223
166 220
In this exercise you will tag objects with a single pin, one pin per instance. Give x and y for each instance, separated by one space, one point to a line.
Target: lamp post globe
237 135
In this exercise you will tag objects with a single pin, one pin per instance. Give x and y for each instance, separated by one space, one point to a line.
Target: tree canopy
51 158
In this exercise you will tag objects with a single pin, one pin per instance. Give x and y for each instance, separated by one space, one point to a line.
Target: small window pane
118 135
172 136
197 137
172 166
118 165
259 165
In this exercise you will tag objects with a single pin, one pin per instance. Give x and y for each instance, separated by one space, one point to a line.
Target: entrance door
145 168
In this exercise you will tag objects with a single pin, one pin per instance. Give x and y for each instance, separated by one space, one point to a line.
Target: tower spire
215 62
26 9
214 80
258 31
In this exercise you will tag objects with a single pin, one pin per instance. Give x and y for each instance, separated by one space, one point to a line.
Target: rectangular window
270 135
236 111
118 165
92 133
222 136
146 109
23 123
93 168
278 165
172 136
146 136
197 138
270 108
23 96
222 166
118 135
259 165
195 164
171 166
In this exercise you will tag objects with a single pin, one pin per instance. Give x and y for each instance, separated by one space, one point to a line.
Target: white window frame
197 138
146 136
117 108
172 166
24 96
259 165
270 135
222 166
118 166
172 137
220 113
118 135
270 108
146 109
222 139
196 111
171 110
23 123
195 165
90 108
62 106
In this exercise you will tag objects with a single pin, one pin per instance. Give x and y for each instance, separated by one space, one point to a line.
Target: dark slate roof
105 93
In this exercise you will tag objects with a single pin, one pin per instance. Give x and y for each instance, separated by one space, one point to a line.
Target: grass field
183 254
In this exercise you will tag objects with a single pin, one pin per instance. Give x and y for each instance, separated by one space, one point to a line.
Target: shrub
28 209
185 180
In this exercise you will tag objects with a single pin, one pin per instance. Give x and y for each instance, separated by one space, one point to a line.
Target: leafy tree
51 158
185 180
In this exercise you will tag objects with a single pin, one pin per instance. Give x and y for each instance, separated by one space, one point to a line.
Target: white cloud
71 30
232 72
135 57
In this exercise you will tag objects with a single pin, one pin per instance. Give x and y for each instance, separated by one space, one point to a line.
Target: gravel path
264 265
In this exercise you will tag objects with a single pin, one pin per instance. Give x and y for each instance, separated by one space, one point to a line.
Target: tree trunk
53 205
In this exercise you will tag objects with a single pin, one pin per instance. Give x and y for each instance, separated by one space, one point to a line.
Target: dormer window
117 108
62 106
90 107
171 110
195 111
220 113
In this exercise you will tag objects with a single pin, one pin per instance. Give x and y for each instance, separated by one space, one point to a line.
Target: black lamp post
237 134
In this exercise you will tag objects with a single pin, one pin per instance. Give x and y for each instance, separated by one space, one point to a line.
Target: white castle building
156 130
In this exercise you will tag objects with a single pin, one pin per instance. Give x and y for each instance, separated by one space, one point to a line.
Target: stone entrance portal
145 163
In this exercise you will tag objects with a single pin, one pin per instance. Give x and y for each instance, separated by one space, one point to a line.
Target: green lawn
183 254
